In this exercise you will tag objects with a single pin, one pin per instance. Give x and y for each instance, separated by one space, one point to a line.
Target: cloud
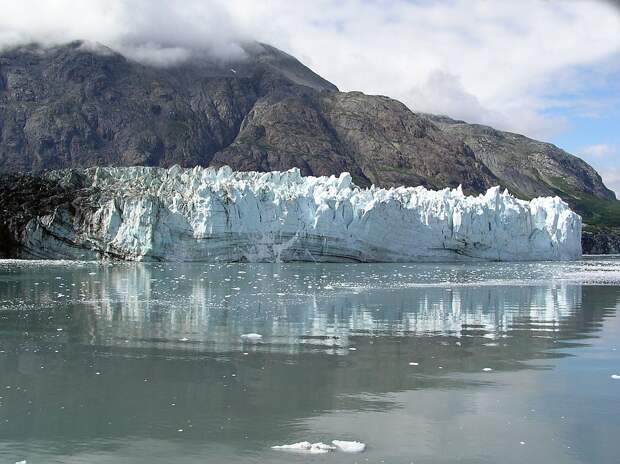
444 93
158 32
604 158
597 150
501 63
611 179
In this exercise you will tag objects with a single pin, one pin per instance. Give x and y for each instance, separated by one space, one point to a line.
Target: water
144 363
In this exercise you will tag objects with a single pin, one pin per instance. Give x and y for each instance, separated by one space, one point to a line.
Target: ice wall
218 215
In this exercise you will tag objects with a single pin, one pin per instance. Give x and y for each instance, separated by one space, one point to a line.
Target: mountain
82 105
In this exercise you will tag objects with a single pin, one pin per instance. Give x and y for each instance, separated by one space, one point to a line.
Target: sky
548 69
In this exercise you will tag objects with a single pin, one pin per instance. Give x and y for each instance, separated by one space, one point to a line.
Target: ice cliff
218 215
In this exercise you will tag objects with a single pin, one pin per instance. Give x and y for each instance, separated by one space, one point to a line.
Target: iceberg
349 446
306 447
321 448
217 215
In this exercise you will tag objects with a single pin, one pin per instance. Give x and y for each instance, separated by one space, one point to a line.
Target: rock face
217 215
82 106
527 167
601 241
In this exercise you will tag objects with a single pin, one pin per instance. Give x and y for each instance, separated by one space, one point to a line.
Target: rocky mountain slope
84 105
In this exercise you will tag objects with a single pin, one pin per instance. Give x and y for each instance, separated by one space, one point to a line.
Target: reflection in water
103 362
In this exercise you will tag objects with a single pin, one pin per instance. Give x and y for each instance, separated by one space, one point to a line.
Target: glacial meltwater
196 363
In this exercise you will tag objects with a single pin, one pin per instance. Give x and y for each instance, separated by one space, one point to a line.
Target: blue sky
593 127
548 69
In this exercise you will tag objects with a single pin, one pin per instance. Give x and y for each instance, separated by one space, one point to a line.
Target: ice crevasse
217 215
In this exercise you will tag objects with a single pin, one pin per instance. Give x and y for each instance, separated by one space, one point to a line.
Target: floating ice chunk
414 364
184 339
21 462
349 446
306 447
487 369
253 337
615 376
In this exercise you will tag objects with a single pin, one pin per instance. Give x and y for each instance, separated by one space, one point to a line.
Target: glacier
217 215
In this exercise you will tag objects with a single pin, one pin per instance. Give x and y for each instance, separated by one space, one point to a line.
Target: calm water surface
144 363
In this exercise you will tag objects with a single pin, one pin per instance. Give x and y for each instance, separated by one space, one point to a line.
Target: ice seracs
217 215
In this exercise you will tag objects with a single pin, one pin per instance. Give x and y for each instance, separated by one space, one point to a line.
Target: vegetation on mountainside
596 212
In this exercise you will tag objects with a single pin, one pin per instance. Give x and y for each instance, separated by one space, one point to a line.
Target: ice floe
349 446
306 447
321 448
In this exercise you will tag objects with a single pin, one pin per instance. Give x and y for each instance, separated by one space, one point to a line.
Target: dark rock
600 241
528 168
24 197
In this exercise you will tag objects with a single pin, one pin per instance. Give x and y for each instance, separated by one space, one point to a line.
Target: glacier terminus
217 215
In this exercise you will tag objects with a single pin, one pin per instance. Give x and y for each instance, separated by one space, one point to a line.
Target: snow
217 215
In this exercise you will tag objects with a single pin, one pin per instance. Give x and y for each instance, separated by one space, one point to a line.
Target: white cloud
611 179
158 32
604 158
597 150
494 62
444 93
